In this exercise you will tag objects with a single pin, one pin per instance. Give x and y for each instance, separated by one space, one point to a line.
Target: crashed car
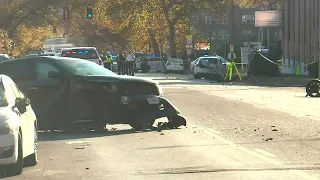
68 93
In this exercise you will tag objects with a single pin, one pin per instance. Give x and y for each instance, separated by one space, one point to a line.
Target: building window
223 20
223 34
208 19
246 35
247 19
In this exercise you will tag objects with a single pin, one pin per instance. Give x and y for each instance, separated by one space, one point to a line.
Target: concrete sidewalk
283 81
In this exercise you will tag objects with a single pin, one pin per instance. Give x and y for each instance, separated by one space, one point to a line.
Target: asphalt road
234 132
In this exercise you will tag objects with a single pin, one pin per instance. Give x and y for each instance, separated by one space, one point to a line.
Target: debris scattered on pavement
87 168
268 139
79 148
272 126
161 134
274 129
194 132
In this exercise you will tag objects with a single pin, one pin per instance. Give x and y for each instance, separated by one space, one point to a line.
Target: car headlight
8 127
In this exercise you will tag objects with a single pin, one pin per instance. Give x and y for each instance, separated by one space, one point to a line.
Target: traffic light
89 13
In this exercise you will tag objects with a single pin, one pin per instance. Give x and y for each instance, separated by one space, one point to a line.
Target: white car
174 65
18 129
193 64
209 66
86 53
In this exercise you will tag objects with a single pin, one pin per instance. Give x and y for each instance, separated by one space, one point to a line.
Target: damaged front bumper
144 109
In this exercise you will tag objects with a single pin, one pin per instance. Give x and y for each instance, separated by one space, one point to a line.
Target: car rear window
81 53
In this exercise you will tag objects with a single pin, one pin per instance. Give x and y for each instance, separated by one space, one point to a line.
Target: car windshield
84 68
209 59
80 53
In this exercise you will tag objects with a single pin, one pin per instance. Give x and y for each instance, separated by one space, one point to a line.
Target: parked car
18 128
86 53
174 65
69 93
151 63
193 64
210 67
4 57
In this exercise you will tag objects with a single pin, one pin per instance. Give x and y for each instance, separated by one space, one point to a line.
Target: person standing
130 64
107 62
120 62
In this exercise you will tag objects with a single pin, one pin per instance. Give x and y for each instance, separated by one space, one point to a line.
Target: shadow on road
60 136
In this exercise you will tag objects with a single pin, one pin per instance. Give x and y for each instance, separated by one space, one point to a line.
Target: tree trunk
154 43
172 44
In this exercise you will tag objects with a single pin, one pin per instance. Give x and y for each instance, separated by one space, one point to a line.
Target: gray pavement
234 132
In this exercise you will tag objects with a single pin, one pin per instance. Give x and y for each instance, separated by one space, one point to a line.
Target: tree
170 14
273 4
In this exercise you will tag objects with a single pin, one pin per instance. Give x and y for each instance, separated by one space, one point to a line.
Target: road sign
189 39
231 48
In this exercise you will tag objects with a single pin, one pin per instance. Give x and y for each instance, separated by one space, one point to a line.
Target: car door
49 95
11 96
28 119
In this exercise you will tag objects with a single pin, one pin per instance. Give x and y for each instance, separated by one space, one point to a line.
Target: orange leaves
31 38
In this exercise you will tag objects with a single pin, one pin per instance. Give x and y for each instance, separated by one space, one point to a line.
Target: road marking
265 153
214 131
299 173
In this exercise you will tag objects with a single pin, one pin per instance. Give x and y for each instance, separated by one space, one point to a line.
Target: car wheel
16 168
196 76
32 160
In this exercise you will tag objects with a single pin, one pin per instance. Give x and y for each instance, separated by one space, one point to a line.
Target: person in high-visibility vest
107 62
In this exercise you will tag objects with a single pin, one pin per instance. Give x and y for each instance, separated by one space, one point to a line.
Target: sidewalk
283 81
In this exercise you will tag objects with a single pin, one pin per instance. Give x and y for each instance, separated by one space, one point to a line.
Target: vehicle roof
209 57
48 58
73 48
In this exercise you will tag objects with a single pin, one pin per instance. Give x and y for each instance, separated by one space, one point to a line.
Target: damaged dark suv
73 93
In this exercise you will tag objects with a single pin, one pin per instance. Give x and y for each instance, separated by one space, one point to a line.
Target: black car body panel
61 98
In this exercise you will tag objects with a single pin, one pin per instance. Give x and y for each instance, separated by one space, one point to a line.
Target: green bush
313 69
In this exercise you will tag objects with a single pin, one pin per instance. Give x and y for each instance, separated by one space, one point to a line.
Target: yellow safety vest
108 60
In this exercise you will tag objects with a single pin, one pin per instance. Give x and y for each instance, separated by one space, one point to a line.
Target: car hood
118 78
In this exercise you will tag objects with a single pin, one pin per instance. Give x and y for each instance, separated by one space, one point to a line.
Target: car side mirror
54 75
21 104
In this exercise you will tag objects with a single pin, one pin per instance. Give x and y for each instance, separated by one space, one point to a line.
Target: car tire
196 76
16 168
32 160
